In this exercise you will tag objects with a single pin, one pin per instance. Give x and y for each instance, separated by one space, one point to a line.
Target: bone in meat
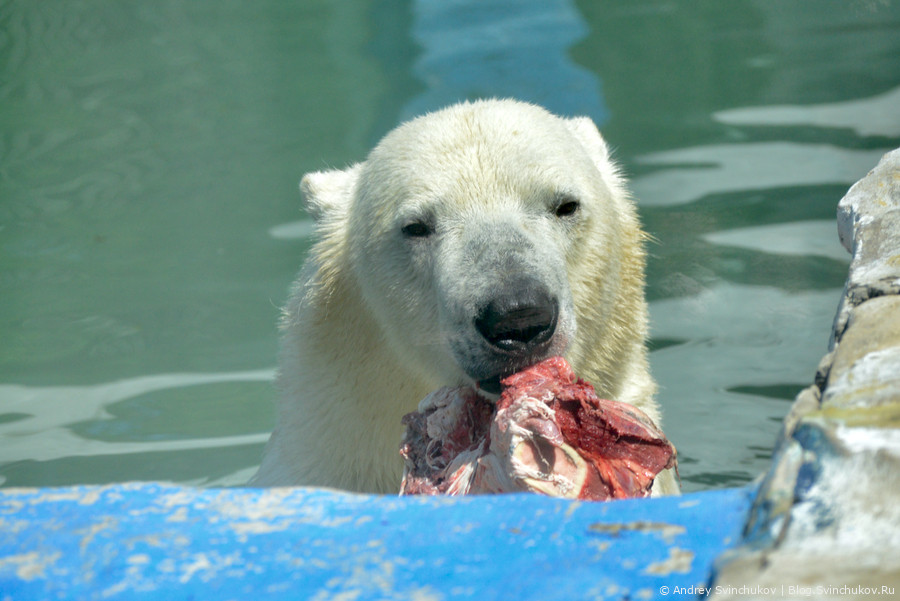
548 433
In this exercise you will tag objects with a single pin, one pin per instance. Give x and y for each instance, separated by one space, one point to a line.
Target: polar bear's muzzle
517 326
519 321
505 300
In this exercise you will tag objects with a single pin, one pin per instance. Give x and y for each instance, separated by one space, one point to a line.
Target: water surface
150 223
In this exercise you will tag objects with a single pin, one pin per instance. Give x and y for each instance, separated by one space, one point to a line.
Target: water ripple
699 171
877 115
40 430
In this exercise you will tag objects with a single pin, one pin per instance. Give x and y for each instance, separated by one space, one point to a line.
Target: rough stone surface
868 220
865 370
869 198
826 521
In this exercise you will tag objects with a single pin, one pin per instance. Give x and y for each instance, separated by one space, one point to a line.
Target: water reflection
688 174
877 115
804 238
502 48
736 341
293 230
49 424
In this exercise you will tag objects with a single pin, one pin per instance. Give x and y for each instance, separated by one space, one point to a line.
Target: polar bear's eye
417 229
567 206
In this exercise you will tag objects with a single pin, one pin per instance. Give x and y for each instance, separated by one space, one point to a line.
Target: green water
150 223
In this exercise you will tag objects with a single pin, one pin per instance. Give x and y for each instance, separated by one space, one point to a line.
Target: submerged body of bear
471 243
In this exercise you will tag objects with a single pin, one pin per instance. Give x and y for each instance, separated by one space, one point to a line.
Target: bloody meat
548 433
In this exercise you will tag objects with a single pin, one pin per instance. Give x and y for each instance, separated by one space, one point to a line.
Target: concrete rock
865 370
868 220
869 198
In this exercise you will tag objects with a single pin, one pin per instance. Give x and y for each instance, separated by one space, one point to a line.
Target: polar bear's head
481 239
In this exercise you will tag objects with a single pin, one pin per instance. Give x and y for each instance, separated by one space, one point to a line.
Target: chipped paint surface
153 541
666 531
28 566
678 561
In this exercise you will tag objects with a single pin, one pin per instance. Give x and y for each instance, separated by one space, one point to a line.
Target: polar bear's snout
505 296
520 324
519 321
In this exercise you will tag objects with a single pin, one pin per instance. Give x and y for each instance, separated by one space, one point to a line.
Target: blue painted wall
152 541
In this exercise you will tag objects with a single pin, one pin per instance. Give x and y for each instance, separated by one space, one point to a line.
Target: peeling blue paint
154 541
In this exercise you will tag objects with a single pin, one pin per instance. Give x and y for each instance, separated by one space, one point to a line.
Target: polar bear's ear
328 193
589 136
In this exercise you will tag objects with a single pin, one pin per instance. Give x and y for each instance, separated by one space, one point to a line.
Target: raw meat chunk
548 433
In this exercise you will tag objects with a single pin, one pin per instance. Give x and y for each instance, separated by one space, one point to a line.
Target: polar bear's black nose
519 320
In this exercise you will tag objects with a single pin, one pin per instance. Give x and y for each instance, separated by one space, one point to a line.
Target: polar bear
472 242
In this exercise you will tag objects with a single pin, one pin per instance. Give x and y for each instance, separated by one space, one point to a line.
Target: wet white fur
376 321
